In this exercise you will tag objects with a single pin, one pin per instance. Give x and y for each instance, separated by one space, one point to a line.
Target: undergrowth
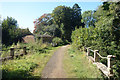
29 66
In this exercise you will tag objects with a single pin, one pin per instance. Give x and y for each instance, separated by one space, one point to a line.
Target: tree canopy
11 33
88 18
61 22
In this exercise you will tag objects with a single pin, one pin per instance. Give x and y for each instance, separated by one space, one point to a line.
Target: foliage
44 20
88 18
44 25
10 31
97 39
77 65
67 19
57 41
104 36
77 17
60 23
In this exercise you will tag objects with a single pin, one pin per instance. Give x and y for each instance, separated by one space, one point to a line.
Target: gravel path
54 68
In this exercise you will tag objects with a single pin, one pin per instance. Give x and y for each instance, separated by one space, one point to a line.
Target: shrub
98 39
57 41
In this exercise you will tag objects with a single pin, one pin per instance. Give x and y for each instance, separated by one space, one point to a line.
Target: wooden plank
103 68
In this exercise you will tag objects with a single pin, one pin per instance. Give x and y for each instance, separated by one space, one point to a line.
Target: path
54 68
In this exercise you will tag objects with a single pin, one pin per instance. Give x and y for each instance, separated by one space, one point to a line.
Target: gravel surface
54 67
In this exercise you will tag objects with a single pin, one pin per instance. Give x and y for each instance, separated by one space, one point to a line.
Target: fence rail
12 54
107 70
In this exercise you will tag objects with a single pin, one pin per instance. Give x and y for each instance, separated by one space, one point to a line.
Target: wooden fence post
12 52
96 56
24 50
109 65
88 51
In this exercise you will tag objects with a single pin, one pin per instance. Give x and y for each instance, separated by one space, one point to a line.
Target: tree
44 20
69 17
45 25
88 18
77 16
63 14
116 23
61 22
9 26
51 30
11 33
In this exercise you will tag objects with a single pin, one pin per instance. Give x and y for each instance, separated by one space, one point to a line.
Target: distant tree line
60 23
11 33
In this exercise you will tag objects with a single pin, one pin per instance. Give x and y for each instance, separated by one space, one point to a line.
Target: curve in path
54 67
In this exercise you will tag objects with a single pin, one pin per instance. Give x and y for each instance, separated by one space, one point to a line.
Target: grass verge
77 65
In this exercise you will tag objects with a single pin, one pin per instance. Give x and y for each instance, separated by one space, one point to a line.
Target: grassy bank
77 65
30 65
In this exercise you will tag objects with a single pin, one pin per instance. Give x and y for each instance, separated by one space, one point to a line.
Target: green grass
77 65
30 65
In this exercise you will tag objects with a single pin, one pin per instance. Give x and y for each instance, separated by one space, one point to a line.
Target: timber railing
106 69
12 54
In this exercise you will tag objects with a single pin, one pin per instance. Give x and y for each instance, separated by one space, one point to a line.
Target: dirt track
54 68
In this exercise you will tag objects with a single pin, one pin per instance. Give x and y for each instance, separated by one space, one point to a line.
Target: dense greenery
89 18
103 34
57 41
60 23
29 66
11 33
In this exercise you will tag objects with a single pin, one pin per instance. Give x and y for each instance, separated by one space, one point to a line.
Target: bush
57 41
98 39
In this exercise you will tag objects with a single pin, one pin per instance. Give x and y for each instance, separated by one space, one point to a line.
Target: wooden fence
106 69
12 55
